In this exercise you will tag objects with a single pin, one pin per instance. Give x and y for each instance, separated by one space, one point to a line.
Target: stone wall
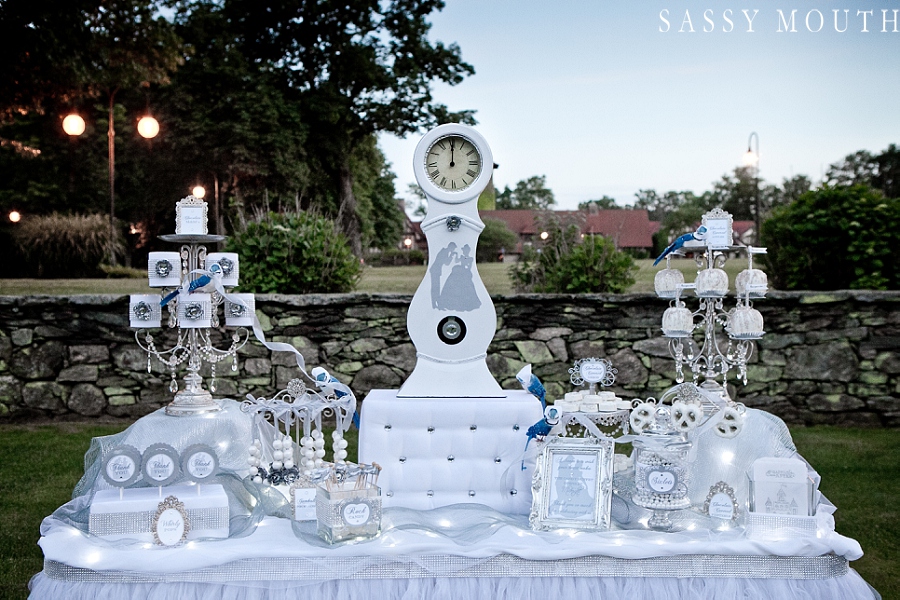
827 358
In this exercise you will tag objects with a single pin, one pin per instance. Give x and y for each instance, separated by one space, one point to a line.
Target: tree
881 171
566 263
359 67
835 238
531 193
380 213
495 239
44 47
604 203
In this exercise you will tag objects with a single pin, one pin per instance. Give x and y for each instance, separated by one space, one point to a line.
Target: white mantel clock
451 319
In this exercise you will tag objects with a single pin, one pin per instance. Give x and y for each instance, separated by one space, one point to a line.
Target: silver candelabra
712 358
194 312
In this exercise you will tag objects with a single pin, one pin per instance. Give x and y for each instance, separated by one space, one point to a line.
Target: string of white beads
255 459
339 445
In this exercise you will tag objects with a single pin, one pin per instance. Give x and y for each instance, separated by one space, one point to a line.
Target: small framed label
593 371
572 485
200 463
719 233
721 502
662 480
170 525
303 497
191 216
160 465
122 466
356 512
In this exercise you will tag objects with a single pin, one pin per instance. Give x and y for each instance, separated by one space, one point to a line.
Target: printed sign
721 506
355 514
593 372
170 523
200 463
160 466
721 502
121 467
304 503
718 232
662 480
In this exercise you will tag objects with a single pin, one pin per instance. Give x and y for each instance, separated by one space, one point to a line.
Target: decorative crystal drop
173 387
212 385
148 364
234 364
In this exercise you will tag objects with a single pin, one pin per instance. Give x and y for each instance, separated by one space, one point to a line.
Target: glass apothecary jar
662 471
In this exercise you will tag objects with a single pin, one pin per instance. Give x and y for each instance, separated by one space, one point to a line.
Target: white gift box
164 269
237 315
228 262
131 517
195 311
144 311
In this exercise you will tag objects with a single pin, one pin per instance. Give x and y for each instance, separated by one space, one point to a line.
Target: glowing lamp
198 191
73 125
15 216
148 127
750 158
544 235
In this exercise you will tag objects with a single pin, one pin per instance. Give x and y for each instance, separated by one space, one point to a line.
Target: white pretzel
686 416
642 416
731 422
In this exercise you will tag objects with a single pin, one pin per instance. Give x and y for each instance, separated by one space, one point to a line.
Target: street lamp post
147 126
751 159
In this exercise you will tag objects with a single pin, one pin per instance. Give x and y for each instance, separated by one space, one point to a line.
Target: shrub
495 237
66 246
565 263
835 238
395 257
294 253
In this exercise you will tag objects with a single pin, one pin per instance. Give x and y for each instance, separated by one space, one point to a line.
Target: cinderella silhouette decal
458 290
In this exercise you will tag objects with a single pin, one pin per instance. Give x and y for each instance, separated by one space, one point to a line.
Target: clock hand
452 164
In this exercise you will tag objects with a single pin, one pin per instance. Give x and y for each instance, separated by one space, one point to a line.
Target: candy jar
661 469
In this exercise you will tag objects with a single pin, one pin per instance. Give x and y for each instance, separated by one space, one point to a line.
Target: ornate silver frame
609 372
170 503
543 516
190 202
716 216
722 488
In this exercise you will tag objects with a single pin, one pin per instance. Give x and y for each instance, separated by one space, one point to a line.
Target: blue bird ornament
542 428
532 385
204 283
698 235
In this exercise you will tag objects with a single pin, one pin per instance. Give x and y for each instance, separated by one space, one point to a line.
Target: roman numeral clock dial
453 163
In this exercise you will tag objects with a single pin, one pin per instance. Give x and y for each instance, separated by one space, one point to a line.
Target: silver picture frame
572 485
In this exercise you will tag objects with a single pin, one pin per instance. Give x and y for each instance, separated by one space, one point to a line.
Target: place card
170 525
721 502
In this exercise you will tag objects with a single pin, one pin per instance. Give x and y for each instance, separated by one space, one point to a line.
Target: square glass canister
346 512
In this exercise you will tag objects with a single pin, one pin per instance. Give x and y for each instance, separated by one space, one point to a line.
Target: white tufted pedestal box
441 451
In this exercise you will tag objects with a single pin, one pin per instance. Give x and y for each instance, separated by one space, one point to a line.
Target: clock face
453 163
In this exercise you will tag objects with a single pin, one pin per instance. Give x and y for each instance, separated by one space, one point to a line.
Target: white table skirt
511 562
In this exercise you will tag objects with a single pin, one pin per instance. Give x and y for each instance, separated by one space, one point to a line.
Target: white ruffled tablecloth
461 551
458 552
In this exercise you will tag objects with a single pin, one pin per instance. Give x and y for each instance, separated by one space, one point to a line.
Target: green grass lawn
42 463
398 280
